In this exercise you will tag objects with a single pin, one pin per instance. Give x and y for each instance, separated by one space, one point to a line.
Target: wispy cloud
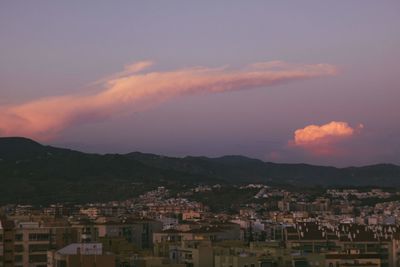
324 139
133 90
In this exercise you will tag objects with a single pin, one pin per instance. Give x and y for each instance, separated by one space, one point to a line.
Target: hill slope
34 173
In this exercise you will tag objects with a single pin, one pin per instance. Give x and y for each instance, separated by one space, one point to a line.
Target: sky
285 81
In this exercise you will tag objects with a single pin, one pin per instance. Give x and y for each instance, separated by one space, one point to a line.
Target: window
19 237
18 258
38 248
61 263
18 248
38 258
38 237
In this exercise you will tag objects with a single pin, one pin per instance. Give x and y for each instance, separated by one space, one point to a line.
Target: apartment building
379 240
25 244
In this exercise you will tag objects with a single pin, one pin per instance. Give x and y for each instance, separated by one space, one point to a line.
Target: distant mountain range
38 174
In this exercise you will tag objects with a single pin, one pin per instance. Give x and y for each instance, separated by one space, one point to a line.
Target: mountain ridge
30 171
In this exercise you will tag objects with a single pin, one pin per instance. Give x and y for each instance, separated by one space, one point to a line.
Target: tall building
25 244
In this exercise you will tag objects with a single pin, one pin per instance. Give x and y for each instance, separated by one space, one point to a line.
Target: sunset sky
283 81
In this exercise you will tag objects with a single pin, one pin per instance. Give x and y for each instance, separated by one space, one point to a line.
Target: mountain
38 174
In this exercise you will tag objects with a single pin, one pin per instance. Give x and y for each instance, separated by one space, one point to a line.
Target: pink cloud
324 139
133 90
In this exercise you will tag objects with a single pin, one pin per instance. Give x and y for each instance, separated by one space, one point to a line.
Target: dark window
61 263
18 248
38 237
18 258
38 258
38 248
19 237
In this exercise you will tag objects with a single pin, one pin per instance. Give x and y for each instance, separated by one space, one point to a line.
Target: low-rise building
80 255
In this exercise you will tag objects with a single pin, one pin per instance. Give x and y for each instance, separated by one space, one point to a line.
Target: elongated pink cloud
133 90
323 139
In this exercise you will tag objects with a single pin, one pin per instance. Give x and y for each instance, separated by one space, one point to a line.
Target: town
273 227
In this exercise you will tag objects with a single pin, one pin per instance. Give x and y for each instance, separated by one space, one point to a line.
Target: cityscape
273 227
199 133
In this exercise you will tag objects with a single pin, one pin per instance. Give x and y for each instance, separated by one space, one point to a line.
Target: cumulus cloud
324 139
133 90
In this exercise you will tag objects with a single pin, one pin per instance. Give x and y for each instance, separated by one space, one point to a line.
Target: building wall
79 260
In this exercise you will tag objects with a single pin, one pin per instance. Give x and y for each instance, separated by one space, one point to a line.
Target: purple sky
52 49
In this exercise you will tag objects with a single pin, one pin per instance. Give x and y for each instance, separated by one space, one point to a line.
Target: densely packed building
275 228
